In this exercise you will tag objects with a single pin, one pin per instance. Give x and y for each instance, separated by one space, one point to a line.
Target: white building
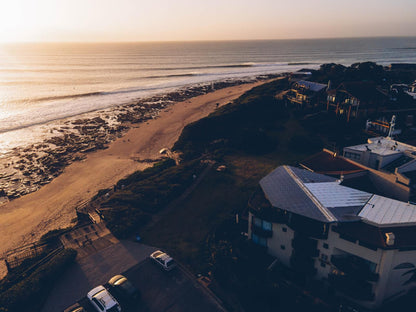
379 152
360 244
392 165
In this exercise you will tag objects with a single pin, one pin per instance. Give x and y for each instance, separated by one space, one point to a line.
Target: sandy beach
25 219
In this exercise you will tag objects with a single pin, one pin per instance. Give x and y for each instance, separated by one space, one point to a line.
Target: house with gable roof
305 93
359 244
354 99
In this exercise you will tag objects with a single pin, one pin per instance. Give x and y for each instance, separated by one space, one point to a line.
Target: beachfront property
397 90
306 93
355 99
357 244
392 165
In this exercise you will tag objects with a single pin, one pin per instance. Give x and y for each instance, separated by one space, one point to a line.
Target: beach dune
26 219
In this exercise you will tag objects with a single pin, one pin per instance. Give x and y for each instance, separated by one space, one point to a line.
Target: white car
163 259
102 300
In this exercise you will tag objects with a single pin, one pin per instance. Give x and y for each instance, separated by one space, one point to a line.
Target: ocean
42 83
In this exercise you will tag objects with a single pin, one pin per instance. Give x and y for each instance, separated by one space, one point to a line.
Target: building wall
280 244
385 160
386 183
397 275
410 166
391 282
339 246
369 159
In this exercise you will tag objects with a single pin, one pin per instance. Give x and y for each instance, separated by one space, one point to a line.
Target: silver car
163 259
102 300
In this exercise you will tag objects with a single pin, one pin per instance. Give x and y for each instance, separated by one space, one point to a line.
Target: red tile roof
325 162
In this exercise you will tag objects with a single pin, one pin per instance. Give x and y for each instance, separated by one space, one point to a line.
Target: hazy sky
139 20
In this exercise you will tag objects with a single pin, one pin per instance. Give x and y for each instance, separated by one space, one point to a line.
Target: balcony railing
355 267
301 264
308 227
261 232
356 289
297 100
305 246
261 208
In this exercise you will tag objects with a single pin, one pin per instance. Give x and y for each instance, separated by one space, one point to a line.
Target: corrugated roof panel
322 198
346 213
283 192
332 194
313 86
384 211
307 176
392 212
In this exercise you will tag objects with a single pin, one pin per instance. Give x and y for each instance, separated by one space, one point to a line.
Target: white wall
394 281
281 238
410 166
391 281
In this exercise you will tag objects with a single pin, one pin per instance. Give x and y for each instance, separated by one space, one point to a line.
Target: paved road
175 291
94 270
171 291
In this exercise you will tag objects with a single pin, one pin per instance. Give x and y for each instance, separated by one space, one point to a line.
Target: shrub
32 290
146 193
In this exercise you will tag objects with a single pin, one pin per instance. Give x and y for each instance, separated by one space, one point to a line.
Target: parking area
176 290
169 291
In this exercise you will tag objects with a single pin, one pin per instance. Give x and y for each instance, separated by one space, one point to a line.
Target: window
331 98
351 155
284 229
323 264
258 240
282 247
325 246
262 224
98 303
267 226
257 222
324 257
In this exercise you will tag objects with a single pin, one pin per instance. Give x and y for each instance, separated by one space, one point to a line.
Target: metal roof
283 192
307 176
382 146
322 198
313 86
387 211
331 194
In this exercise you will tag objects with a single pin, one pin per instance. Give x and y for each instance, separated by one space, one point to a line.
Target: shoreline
26 168
25 219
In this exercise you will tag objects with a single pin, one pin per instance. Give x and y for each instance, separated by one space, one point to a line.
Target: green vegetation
365 71
23 291
183 230
250 125
145 193
251 136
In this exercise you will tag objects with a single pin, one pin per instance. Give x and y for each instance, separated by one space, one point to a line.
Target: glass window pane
267 226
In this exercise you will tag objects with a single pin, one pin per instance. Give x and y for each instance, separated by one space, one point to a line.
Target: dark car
123 289
75 308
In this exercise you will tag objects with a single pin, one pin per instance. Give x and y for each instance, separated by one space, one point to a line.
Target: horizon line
203 40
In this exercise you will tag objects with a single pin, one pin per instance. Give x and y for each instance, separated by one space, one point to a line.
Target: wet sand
24 220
